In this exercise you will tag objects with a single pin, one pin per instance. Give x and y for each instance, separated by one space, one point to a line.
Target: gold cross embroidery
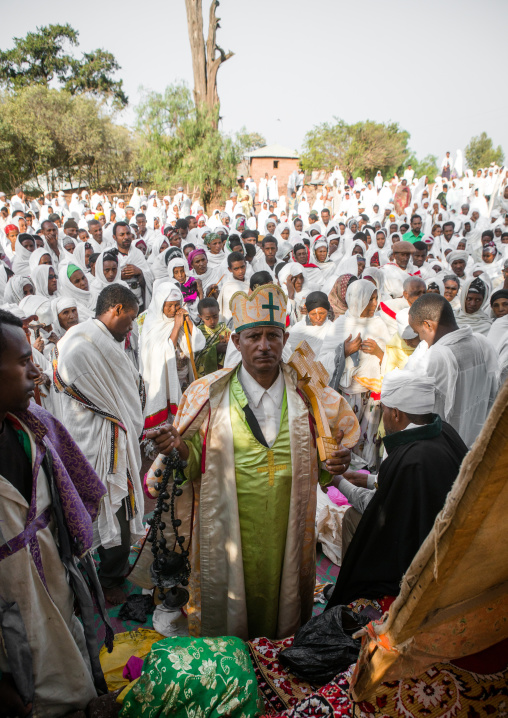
271 468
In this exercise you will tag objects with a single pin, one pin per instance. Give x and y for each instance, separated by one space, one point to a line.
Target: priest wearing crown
248 435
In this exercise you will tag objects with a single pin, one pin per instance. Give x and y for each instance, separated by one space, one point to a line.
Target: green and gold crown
266 306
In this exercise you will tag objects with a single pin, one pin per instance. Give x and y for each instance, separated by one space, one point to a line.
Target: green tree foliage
480 152
249 141
39 58
427 166
361 148
180 144
54 134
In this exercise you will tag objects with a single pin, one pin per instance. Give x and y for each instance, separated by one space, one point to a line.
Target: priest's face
261 348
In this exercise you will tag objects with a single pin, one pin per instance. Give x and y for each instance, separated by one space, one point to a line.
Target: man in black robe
424 458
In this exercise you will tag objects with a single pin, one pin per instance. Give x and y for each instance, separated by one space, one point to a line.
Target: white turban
456 255
404 329
409 392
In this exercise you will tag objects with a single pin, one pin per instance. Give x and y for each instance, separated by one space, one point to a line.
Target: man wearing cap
247 434
410 492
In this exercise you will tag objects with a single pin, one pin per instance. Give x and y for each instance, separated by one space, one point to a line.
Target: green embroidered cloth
195 678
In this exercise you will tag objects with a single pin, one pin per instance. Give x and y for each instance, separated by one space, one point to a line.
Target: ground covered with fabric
443 691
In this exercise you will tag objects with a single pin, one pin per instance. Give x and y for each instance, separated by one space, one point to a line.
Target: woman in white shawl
165 355
353 354
73 283
106 272
39 257
293 280
45 281
215 253
475 304
314 327
64 311
17 288
23 250
158 245
82 254
190 286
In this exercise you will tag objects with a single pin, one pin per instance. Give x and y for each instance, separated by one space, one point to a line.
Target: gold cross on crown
312 380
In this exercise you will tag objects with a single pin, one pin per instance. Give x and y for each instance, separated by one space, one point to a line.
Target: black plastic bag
324 646
136 608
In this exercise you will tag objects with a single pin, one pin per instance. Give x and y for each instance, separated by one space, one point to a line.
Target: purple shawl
79 486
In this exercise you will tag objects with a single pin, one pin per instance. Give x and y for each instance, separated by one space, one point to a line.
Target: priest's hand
166 438
340 459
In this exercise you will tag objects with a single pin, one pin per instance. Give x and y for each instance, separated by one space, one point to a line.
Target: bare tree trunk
212 62
205 65
197 43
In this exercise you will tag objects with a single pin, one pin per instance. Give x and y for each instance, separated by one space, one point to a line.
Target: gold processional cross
312 380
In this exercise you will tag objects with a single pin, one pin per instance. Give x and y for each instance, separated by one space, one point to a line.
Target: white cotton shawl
209 278
106 377
157 353
293 269
36 257
367 375
3 280
99 281
21 261
40 277
304 331
480 322
58 305
498 337
84 298
13 292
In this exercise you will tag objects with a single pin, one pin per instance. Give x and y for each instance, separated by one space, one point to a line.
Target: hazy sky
438 68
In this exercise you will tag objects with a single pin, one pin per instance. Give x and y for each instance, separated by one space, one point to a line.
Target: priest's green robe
252 545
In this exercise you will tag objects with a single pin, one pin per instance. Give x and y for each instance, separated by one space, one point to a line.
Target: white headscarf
480 322
21 262
84 298
40 278
40 306
99 281
13 293
36 257
58 305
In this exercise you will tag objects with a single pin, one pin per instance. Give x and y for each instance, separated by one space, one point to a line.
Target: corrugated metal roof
273 151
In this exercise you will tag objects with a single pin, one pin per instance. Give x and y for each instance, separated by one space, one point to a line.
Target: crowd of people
120 323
